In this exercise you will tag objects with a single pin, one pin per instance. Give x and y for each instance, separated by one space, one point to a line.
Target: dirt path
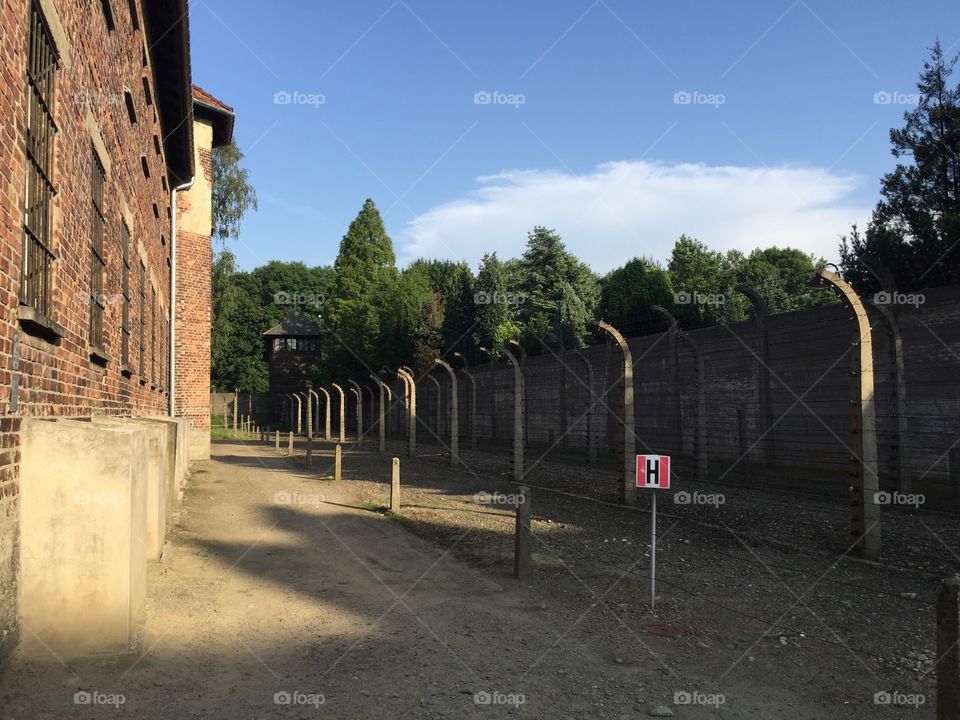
276 581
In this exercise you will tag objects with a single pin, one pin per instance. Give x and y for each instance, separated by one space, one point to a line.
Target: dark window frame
125 238
98 263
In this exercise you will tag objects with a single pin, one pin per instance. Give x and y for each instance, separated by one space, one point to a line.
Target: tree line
376 315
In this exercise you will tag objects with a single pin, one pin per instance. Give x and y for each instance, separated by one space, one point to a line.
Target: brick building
99 127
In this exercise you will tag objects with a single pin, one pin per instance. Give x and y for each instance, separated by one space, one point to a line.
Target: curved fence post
412 402
384 388
700 437
493 394
454 419
315 418
523 372
592 403
299 412
628 490
519 400
343 413
765 416
359 393
473 400
438 429
865 523
898 397
326 413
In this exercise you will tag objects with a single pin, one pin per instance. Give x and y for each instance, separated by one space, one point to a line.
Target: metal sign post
653 473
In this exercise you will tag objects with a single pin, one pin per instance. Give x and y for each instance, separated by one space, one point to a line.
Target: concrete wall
807 383
84 535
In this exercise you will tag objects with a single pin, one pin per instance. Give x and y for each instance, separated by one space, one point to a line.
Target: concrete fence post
381 424
326 413
337 463
628 490
700 428
472 400
865 523
898 397
309 456
343 413
359 393
948 649
765 415
276 441
236 406
395 486
454 415
290 444
523 373
299 424
411 387
523 538
494 434
436 414
519 401
314 426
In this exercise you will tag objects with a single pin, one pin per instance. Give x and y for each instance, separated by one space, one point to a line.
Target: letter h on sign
653 472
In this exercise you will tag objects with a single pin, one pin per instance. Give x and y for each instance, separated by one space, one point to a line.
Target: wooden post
628 490
523 539
236 403
948 650
395 486
276 441
359 393
865 522
337 463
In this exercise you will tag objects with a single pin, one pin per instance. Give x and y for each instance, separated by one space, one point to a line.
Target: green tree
357 315
703 282
914 231
627 293
232 193
549 275
494 325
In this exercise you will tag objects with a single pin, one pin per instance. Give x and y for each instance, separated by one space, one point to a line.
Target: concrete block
83 536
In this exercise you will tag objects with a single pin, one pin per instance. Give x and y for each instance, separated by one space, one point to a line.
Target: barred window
97 263
42 64
143 323
125 289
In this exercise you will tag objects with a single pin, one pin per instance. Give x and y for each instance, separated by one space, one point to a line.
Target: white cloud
631 208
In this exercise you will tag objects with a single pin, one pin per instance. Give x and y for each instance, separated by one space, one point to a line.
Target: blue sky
621 124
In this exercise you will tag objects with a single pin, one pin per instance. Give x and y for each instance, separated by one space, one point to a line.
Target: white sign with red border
653 472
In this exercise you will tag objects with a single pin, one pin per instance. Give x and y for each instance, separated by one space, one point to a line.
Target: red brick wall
60 379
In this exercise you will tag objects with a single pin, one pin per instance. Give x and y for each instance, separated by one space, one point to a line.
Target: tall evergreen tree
357 313
627 293
914 232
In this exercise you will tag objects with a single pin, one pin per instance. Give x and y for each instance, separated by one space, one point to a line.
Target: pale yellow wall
199 219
